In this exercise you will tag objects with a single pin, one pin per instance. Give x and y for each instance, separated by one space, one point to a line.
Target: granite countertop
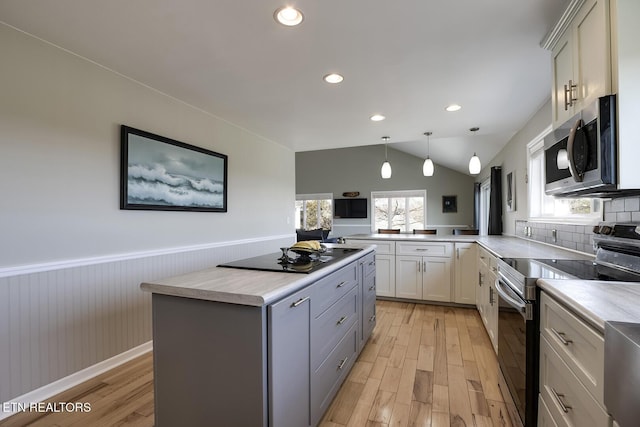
597 301
245 287
500 246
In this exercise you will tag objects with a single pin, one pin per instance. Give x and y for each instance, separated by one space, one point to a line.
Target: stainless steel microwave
581 155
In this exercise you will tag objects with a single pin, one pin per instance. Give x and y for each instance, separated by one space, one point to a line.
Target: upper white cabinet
581 56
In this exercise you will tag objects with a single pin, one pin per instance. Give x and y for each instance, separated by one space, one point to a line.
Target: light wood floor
424 365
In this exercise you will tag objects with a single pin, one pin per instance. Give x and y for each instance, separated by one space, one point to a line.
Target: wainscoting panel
58 320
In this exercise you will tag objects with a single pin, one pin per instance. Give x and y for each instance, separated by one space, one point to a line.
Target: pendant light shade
474 163
385 171
427 166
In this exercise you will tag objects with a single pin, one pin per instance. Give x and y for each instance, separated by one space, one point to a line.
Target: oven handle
506 294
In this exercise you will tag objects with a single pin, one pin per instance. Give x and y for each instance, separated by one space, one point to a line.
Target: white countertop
597 301
500 246
245 287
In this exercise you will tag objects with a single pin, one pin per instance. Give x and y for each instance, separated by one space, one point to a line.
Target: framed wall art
158 173
449 204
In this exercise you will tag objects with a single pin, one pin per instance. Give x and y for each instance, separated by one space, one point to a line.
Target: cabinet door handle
568 95
458 253
342 363
558 396
424 266
341 284
300 301
419 265
491 296
560 336
480 279
341 321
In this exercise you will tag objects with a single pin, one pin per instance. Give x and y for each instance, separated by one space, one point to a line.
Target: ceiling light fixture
427 167
377 118
453 107
288 16
333 78
474 163
385 172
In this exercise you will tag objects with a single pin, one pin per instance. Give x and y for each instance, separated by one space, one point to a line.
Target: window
405 210
485 194
314 211
543 207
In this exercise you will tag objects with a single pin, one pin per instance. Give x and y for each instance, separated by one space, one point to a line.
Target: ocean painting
163 174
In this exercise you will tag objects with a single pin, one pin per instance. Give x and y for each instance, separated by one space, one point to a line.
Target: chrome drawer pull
300 301
372 263
372 318
560 336
422 250
341 321
342 363
341 284
557 396
372 288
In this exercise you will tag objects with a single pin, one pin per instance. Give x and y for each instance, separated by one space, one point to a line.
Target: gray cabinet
278 365
289 344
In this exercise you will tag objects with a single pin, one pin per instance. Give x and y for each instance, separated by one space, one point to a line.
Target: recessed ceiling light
288 16
377 118
453 107
333 78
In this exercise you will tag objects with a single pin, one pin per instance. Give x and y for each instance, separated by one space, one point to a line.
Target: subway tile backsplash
579 237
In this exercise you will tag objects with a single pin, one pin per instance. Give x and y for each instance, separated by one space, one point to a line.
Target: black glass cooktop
569 269
295 264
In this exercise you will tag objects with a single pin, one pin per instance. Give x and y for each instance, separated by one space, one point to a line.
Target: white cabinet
581 58
486 298
465 272
385 266
571 368
423 271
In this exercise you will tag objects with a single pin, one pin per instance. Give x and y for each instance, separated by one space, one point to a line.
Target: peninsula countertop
245 287
500 246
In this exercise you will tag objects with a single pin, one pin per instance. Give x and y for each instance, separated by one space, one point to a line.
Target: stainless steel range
617 259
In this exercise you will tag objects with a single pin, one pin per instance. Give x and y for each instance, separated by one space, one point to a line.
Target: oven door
518 350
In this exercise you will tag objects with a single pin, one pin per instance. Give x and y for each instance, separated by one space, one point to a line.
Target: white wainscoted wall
61 318
71 261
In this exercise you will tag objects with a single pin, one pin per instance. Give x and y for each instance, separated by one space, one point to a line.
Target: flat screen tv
350 208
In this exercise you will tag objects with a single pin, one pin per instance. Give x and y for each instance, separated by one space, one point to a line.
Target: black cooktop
569 269
294 264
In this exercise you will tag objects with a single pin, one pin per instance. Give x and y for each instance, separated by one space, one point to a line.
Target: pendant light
427 167
386 166
474 164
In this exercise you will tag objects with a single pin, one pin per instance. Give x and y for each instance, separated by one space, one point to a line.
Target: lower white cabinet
385 275
486 298
423 271
465 273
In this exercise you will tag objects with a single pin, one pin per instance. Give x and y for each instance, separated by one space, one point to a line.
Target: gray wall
358 169
71 261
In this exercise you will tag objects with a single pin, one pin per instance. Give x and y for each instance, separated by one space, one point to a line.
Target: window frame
534 149
395 194
312 197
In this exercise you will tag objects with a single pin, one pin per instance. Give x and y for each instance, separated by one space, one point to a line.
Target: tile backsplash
579 237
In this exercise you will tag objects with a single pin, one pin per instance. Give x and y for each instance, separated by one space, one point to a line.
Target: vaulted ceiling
406 60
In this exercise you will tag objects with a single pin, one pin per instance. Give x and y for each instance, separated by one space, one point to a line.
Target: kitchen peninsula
239 347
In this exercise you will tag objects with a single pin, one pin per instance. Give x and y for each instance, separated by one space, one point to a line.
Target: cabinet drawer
328 329
368 319
384 247
579 346
439 249
326 380
568 401
368 264
490 261
544 415
333 287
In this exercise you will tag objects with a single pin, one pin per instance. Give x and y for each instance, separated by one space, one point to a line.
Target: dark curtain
495 202
476 205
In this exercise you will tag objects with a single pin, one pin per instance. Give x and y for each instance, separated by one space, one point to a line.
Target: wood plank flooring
425 365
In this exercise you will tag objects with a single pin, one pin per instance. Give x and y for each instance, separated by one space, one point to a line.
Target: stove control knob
606 230
596 229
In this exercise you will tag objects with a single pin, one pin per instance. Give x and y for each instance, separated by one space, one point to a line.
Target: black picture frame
159 173
449 204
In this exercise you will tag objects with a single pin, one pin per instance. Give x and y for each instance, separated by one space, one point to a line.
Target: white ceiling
405 59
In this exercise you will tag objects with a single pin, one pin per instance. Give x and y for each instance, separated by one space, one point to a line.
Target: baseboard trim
43 393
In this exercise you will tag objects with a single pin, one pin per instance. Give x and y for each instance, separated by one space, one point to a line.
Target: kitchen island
257 348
